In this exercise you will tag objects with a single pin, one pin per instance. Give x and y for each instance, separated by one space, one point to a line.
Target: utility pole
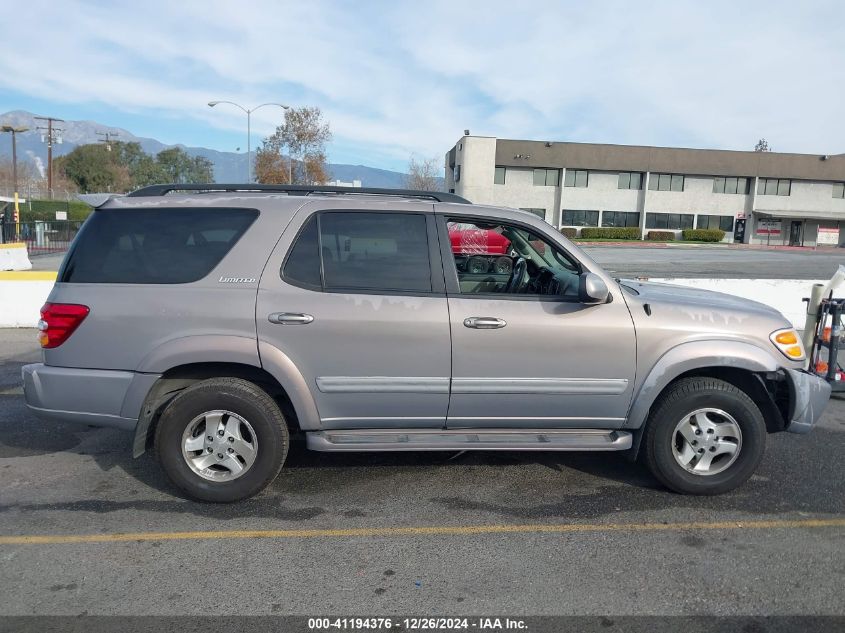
14 131
53 135
107 138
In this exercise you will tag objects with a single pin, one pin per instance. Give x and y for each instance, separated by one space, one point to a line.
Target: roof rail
296 190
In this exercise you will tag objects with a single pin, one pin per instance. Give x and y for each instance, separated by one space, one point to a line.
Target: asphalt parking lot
717 261
502 533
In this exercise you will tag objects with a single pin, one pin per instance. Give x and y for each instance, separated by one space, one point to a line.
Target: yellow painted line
28 275
445 530
13 245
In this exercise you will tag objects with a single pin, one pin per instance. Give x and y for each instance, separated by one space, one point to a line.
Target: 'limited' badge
236 280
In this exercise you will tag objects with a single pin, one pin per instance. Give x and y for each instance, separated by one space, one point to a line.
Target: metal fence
41 238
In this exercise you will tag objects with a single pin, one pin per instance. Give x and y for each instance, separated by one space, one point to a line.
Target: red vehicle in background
480 251
468 239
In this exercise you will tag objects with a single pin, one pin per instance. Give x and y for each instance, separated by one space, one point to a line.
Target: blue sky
396 79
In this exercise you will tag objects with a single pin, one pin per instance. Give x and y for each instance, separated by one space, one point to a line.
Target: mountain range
228 166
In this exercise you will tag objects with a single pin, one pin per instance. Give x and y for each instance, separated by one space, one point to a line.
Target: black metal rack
829 317
294 190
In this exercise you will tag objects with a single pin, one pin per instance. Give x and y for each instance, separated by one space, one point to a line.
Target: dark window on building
457 173
499 176
579 218
153 246
546 177
540 213
666 182
730 185
774 186
677 182
576 178
302 264
620 218
671 221
630 180
723 222
839 190
375 251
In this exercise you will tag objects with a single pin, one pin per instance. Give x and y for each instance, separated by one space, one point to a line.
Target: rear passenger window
153 246
362 251
303 263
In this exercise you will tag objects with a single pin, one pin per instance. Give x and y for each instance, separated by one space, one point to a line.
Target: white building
757 197
340 183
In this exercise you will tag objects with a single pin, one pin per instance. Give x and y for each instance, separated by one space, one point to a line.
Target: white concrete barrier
21 296
14 256
23 293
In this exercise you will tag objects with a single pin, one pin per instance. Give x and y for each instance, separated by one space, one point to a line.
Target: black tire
681 399
237 396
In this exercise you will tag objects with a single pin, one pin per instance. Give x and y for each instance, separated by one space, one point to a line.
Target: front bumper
810 395
91 396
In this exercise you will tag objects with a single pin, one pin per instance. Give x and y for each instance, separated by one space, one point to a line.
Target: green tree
94 168
121 167
175 165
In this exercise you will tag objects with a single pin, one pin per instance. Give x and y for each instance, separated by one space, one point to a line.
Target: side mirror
592 289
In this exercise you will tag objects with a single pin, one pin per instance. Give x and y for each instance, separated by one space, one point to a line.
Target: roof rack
296 190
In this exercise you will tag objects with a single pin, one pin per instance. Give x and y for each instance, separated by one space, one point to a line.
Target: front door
795 233
352 298
739 231
525 352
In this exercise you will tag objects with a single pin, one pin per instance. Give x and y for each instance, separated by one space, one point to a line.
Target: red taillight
58 321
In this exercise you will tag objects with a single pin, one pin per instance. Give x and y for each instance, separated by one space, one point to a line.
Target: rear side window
362 251
153 246
303 263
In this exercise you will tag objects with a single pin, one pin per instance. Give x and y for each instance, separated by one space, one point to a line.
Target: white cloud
401 78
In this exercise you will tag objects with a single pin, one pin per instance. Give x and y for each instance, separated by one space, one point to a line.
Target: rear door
526 353
355 298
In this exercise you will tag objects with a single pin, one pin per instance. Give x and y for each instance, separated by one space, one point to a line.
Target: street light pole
249 112
15 131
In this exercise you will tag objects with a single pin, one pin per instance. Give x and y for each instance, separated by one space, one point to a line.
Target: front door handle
290 318
485 323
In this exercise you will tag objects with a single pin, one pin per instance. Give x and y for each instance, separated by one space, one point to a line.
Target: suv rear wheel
222 440
704 436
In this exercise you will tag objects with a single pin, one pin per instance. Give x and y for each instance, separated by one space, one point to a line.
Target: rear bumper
810 395
90 396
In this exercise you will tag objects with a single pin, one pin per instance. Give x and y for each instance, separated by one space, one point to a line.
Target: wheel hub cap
219 445
706 441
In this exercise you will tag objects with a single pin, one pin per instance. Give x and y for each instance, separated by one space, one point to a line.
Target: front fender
695 355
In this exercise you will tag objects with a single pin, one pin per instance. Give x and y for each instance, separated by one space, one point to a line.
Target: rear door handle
485 323
290 318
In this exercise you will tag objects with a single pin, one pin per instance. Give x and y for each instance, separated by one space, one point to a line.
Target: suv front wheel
222 440
704 436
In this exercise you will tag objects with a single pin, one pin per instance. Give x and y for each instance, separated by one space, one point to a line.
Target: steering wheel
518 272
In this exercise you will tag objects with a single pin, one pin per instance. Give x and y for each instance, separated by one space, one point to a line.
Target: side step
469 440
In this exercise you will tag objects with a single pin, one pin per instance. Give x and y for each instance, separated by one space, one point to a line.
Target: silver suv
218 320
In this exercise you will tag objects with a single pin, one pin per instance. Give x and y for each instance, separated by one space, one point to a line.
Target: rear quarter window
154 246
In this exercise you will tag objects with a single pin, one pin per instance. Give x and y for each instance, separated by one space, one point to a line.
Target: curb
28 275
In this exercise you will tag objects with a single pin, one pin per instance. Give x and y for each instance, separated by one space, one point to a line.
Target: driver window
496 258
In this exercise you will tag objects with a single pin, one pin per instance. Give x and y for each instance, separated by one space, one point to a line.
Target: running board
468 440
